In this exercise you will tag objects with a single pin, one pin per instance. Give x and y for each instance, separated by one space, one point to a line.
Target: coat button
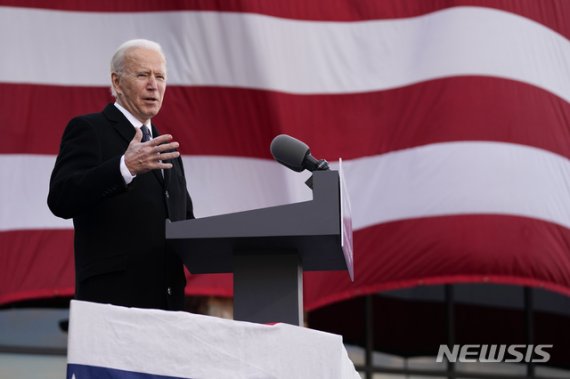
166 194
169 291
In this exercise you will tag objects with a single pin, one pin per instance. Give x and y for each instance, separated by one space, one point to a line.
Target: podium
268 249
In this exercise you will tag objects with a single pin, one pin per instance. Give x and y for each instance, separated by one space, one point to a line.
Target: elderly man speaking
119 179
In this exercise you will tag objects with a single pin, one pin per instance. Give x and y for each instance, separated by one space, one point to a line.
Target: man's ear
115 79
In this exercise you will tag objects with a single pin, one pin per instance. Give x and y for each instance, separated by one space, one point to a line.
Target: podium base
268 288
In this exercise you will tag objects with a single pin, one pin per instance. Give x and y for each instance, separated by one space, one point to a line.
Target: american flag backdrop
452 118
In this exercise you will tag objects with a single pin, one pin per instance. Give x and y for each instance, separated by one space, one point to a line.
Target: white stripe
217 184
460 178
433 180
256 51
24 191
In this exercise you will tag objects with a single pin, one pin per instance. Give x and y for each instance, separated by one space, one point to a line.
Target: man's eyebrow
146 70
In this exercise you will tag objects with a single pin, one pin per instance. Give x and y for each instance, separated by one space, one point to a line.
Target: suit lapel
119 122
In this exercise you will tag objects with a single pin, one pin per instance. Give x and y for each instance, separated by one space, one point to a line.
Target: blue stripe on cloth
76 371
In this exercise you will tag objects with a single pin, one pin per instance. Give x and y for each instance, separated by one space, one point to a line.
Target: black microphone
295 154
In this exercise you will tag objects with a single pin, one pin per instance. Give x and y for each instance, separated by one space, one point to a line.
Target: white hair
118 59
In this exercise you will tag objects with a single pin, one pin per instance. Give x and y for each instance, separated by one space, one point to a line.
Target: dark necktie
146 133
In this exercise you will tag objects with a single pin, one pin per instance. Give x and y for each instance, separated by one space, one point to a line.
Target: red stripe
242 122
34 116
36 264
455 249
210 285
552 13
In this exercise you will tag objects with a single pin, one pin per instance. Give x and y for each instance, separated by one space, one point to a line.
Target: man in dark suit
120 185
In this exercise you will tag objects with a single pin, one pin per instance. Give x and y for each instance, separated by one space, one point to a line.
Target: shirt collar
132 119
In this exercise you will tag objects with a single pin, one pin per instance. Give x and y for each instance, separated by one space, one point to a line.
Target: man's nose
152 83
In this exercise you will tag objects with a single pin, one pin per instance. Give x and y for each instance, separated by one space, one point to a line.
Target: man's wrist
127 176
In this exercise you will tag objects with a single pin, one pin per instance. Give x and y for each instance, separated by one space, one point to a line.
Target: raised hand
142 157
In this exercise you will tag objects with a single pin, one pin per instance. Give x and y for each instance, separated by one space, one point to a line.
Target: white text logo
494 353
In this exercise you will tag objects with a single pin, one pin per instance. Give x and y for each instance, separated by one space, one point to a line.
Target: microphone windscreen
289 151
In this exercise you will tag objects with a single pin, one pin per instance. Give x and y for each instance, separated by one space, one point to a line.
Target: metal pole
369 335
450 323
529 326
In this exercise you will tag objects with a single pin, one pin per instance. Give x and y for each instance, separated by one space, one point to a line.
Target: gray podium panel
276 281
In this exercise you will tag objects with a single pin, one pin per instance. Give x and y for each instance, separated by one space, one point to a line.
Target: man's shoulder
108 113
91 119
91 122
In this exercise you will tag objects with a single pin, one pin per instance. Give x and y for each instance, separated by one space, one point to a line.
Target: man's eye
142 75
160 78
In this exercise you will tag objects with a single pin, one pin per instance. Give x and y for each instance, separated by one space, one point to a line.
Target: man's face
140 87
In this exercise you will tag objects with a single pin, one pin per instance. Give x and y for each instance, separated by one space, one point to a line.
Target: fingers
166 147
161 143
161 139
141 157
156 165
156 161
164 166
168 156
